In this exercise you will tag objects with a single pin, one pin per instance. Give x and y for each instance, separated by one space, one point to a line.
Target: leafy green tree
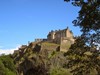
88 20
84 54
82 61
2 68
6 65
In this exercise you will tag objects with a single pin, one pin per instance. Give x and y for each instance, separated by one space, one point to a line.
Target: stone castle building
64 38
58 36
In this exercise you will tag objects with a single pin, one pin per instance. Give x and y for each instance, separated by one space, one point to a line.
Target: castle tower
51 35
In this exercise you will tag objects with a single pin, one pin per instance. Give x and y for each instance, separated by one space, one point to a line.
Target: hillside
45 58
40 58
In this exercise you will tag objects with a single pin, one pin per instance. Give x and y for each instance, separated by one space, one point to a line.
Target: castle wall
62 37
69 34
64 45
51 35
39 40
58 35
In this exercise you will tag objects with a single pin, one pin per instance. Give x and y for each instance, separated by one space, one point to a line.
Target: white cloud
8 51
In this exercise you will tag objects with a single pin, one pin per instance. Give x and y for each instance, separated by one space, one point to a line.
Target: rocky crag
38 58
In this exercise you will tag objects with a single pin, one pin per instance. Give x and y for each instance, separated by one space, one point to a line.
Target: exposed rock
38 58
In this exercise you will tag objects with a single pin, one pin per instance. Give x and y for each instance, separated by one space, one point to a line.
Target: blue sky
24 20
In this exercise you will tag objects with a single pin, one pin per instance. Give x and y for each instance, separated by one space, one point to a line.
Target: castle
62 37
58 36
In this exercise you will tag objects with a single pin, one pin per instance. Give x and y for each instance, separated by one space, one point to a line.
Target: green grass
65 46
60 71
49 44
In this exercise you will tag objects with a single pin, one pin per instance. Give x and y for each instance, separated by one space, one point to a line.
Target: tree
83 60
6 65
2 69
88 20
83 55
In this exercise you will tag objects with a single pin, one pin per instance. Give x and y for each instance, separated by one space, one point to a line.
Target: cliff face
38 58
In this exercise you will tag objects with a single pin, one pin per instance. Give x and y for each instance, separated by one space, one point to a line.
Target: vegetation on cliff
7 66
44 61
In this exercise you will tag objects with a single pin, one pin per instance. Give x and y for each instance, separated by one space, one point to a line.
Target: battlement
40 40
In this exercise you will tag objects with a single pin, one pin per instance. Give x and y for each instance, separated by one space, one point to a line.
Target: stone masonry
62 37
